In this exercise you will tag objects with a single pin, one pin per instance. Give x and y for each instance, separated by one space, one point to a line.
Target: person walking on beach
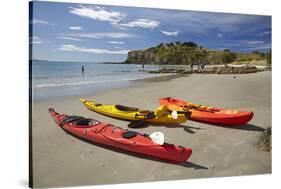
202 66
82 69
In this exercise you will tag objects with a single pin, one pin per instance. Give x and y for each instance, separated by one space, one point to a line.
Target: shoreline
217 151
132 83
163 76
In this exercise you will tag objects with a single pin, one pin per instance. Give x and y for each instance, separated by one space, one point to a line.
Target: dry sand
63 160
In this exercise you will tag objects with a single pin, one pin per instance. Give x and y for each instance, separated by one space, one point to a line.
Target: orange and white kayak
209 114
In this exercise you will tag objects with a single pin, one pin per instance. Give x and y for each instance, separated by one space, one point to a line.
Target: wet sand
60 159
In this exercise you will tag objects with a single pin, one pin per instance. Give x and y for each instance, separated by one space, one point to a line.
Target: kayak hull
211 115
112 136
131 114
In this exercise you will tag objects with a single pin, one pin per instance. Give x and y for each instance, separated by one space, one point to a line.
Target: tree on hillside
190 44
227 56
255 52
170 44
258 55
160 45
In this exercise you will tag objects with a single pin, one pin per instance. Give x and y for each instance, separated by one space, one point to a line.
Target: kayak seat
150 115
68 119
125 108
86 122
186 113
129 134
145 135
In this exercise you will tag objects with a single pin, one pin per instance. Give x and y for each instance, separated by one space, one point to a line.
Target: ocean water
57 79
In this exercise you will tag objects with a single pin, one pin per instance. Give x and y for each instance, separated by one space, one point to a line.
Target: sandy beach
60 159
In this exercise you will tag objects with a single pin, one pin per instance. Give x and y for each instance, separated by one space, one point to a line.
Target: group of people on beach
200 66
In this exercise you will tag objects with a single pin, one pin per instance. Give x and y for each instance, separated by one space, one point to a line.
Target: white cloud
259 47
232 44
254 42
77 28
90 50
36 21
70 38
43 22
98 35
246 45
141 23
170 33
264 33
113 17
219 35
116 42
255 45
203 22
35 40
97 13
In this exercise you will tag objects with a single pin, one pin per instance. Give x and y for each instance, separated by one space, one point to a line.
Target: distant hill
187 53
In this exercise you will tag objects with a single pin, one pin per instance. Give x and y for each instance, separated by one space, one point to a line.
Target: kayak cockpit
78 121
126 108
86 122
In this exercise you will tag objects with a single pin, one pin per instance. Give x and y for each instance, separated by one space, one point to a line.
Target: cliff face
187 53
143 57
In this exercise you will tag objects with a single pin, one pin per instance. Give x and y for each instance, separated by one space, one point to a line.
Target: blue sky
84 32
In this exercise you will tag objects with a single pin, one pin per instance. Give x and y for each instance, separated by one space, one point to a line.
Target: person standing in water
82 69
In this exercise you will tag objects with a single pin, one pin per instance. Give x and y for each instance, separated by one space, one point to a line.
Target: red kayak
93 130
209 114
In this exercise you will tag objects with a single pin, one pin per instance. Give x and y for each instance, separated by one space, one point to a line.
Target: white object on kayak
157 137
174 114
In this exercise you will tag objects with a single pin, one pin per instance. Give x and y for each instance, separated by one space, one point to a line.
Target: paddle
138 123
157 137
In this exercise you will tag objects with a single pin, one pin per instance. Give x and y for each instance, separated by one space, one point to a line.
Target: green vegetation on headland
188 53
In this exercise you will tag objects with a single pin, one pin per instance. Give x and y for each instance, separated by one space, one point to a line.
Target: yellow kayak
134 114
